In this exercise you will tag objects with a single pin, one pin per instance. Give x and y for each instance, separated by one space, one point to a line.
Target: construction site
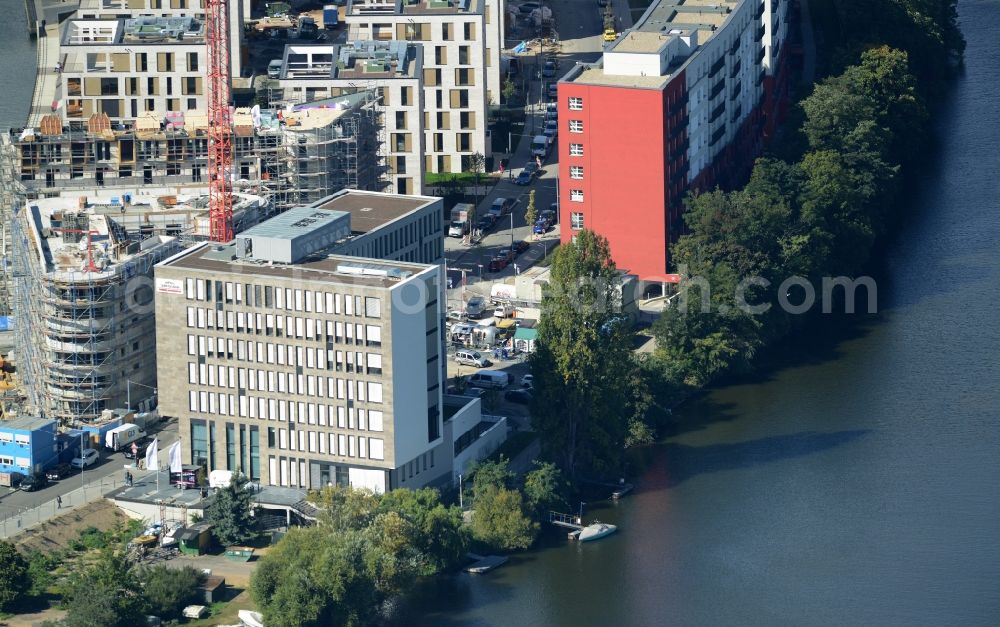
88 208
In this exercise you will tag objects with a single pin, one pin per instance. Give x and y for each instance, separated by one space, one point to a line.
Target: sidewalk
48 82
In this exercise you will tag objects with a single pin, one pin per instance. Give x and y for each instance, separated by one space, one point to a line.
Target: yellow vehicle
610 34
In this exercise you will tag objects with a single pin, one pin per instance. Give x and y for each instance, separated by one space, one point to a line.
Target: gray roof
25 423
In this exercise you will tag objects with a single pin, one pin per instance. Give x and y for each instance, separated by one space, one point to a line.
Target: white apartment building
312 73
128 66
303 368
461 42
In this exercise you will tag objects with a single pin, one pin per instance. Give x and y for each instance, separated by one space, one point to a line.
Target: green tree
491 474
105 593
477 165
231 513
169 590
500 522
581 355
509 89
15 582
440 534
545 489
530 212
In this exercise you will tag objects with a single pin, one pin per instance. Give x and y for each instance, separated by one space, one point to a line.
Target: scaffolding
78 330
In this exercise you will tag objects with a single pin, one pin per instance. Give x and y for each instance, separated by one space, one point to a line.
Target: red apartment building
684 100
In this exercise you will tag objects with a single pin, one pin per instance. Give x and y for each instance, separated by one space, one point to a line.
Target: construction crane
220 123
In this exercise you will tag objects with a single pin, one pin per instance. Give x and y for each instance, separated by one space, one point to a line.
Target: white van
471 358
540 146
490 379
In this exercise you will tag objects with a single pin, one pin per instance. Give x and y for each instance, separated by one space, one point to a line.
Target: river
862 487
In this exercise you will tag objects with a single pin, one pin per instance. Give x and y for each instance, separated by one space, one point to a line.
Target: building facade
28 445
302 367
142 61
696 86
320 72
461 43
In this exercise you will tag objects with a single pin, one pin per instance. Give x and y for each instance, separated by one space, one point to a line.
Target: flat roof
350 60
25 423
293 223
133 31
371 210
375 8
333 269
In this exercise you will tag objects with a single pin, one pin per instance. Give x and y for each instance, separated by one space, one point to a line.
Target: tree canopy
106 593
15 583
231 513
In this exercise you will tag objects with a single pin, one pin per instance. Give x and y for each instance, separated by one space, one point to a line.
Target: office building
302 366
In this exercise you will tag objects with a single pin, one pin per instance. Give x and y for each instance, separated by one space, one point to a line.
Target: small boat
596 531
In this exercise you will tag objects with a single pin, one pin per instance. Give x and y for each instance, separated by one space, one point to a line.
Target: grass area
225 612
461 178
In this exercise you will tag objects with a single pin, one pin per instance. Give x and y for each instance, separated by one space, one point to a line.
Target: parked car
548 215
34 482
457 316
523 177
553 90
528 381
522 397
552 107
497 264
551 114
140 447
474 392
549 69
541 227
551 129
505 253
59 471
531 167
501 207
471 358
520 246
490 379
503 311
485 223
88 457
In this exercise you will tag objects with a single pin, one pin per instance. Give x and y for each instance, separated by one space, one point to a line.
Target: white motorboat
249 618
596 531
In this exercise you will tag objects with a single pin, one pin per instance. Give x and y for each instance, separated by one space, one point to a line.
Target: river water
862 487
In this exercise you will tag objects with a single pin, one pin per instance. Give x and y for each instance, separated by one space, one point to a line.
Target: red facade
634 161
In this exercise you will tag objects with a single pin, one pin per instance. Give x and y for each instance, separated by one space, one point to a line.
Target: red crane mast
220 123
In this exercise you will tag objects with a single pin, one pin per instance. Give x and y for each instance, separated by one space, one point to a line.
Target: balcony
736 113
760 78
717 89
718 65
760 10
719 110
758 34
736 69
760 55
717 135
735 93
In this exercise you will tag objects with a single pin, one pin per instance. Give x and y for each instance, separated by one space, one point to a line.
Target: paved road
110 466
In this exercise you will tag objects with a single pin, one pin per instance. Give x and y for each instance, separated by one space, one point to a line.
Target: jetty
567 521
485 564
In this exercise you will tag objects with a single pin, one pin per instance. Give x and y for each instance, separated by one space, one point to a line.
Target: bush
169 590
14 580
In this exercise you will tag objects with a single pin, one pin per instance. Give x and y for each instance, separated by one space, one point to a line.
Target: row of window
283 326
20 462
282 355
289 299
270 381
414 465
263 408
317 442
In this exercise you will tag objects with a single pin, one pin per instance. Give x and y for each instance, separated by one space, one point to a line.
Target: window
576 104
576 150
576 171
576 220
576 195
576 126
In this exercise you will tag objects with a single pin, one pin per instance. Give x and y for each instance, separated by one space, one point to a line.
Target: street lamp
512 231
461 506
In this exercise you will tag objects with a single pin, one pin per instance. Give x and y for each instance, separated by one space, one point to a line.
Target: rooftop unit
293 235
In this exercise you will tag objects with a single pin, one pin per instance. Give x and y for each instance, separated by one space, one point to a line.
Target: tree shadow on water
682 462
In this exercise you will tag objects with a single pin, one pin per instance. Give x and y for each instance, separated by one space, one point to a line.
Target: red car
497 264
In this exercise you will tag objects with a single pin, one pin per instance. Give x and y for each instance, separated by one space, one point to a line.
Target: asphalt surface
14 501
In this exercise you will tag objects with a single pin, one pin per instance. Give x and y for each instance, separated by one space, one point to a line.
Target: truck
331 16
120 437
461 218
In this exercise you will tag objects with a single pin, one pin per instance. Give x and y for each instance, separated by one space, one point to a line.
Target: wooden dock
567 521
484 564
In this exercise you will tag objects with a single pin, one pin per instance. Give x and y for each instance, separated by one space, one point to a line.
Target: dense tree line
366 549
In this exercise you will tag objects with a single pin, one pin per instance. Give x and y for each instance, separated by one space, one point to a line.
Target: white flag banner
152 455
174 457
